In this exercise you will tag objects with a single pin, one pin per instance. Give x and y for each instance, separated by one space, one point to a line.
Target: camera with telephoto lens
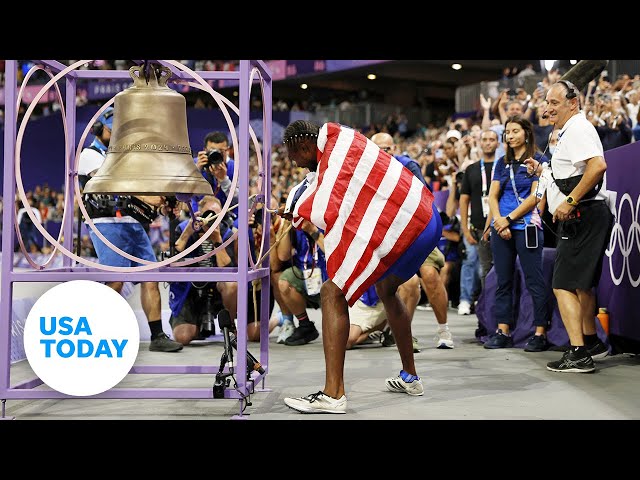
214 157
211 303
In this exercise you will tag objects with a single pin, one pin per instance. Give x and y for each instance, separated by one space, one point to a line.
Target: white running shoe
424 307
444 339
318 403
286 330
464 308
397 384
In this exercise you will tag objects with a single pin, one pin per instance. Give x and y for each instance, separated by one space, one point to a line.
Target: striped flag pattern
369 205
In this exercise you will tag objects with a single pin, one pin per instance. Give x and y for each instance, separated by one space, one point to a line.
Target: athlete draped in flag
379 223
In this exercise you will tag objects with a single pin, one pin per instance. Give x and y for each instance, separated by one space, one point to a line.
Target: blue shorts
129 237
412 259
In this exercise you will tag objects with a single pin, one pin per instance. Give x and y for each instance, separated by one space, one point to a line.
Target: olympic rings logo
626 243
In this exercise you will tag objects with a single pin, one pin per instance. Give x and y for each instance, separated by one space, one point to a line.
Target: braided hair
299 131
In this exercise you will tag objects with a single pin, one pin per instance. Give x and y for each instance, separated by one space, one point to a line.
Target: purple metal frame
68 272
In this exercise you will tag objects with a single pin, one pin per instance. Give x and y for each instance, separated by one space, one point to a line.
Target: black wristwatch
509 219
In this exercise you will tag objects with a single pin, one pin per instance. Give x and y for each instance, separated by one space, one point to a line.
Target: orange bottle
603 318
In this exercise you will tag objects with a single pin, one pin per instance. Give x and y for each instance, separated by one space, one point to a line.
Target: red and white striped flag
369 205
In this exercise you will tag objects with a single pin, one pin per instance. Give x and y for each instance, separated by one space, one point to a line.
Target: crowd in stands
444 152
198 100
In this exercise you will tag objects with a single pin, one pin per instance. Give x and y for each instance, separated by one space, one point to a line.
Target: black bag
566 186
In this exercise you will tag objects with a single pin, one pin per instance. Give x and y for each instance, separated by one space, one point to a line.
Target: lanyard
520 200
306 254
513 184
484 177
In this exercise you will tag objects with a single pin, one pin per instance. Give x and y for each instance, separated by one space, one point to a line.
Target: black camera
210 302
229 219
207 214
257 216
214 157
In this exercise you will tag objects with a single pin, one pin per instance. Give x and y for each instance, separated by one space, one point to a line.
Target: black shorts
581 246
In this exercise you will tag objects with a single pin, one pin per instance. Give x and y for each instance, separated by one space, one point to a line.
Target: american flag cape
369 205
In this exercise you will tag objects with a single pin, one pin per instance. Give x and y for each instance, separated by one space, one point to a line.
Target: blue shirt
178 291
449 248
370 297
213 181
303 255
508 201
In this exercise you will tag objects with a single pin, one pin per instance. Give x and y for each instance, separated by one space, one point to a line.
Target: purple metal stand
73 271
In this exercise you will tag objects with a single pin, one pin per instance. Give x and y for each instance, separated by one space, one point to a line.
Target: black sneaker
537 343
572 363
162 343
303 334
387 338
598 350
499 340
481 331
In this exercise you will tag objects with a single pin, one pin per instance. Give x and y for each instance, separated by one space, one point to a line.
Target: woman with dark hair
517 230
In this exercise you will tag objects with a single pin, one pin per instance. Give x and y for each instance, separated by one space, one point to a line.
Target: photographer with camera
216 166
195 305
112 216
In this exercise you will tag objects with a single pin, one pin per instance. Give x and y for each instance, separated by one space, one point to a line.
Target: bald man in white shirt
578 199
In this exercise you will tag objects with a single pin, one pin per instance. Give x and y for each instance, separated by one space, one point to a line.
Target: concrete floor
468 382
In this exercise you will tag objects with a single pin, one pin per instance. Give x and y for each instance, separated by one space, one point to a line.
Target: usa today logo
81 338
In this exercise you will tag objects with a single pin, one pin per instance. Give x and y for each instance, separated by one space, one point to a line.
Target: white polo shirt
578 141
90 161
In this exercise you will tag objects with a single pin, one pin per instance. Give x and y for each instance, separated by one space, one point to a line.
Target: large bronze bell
149 151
